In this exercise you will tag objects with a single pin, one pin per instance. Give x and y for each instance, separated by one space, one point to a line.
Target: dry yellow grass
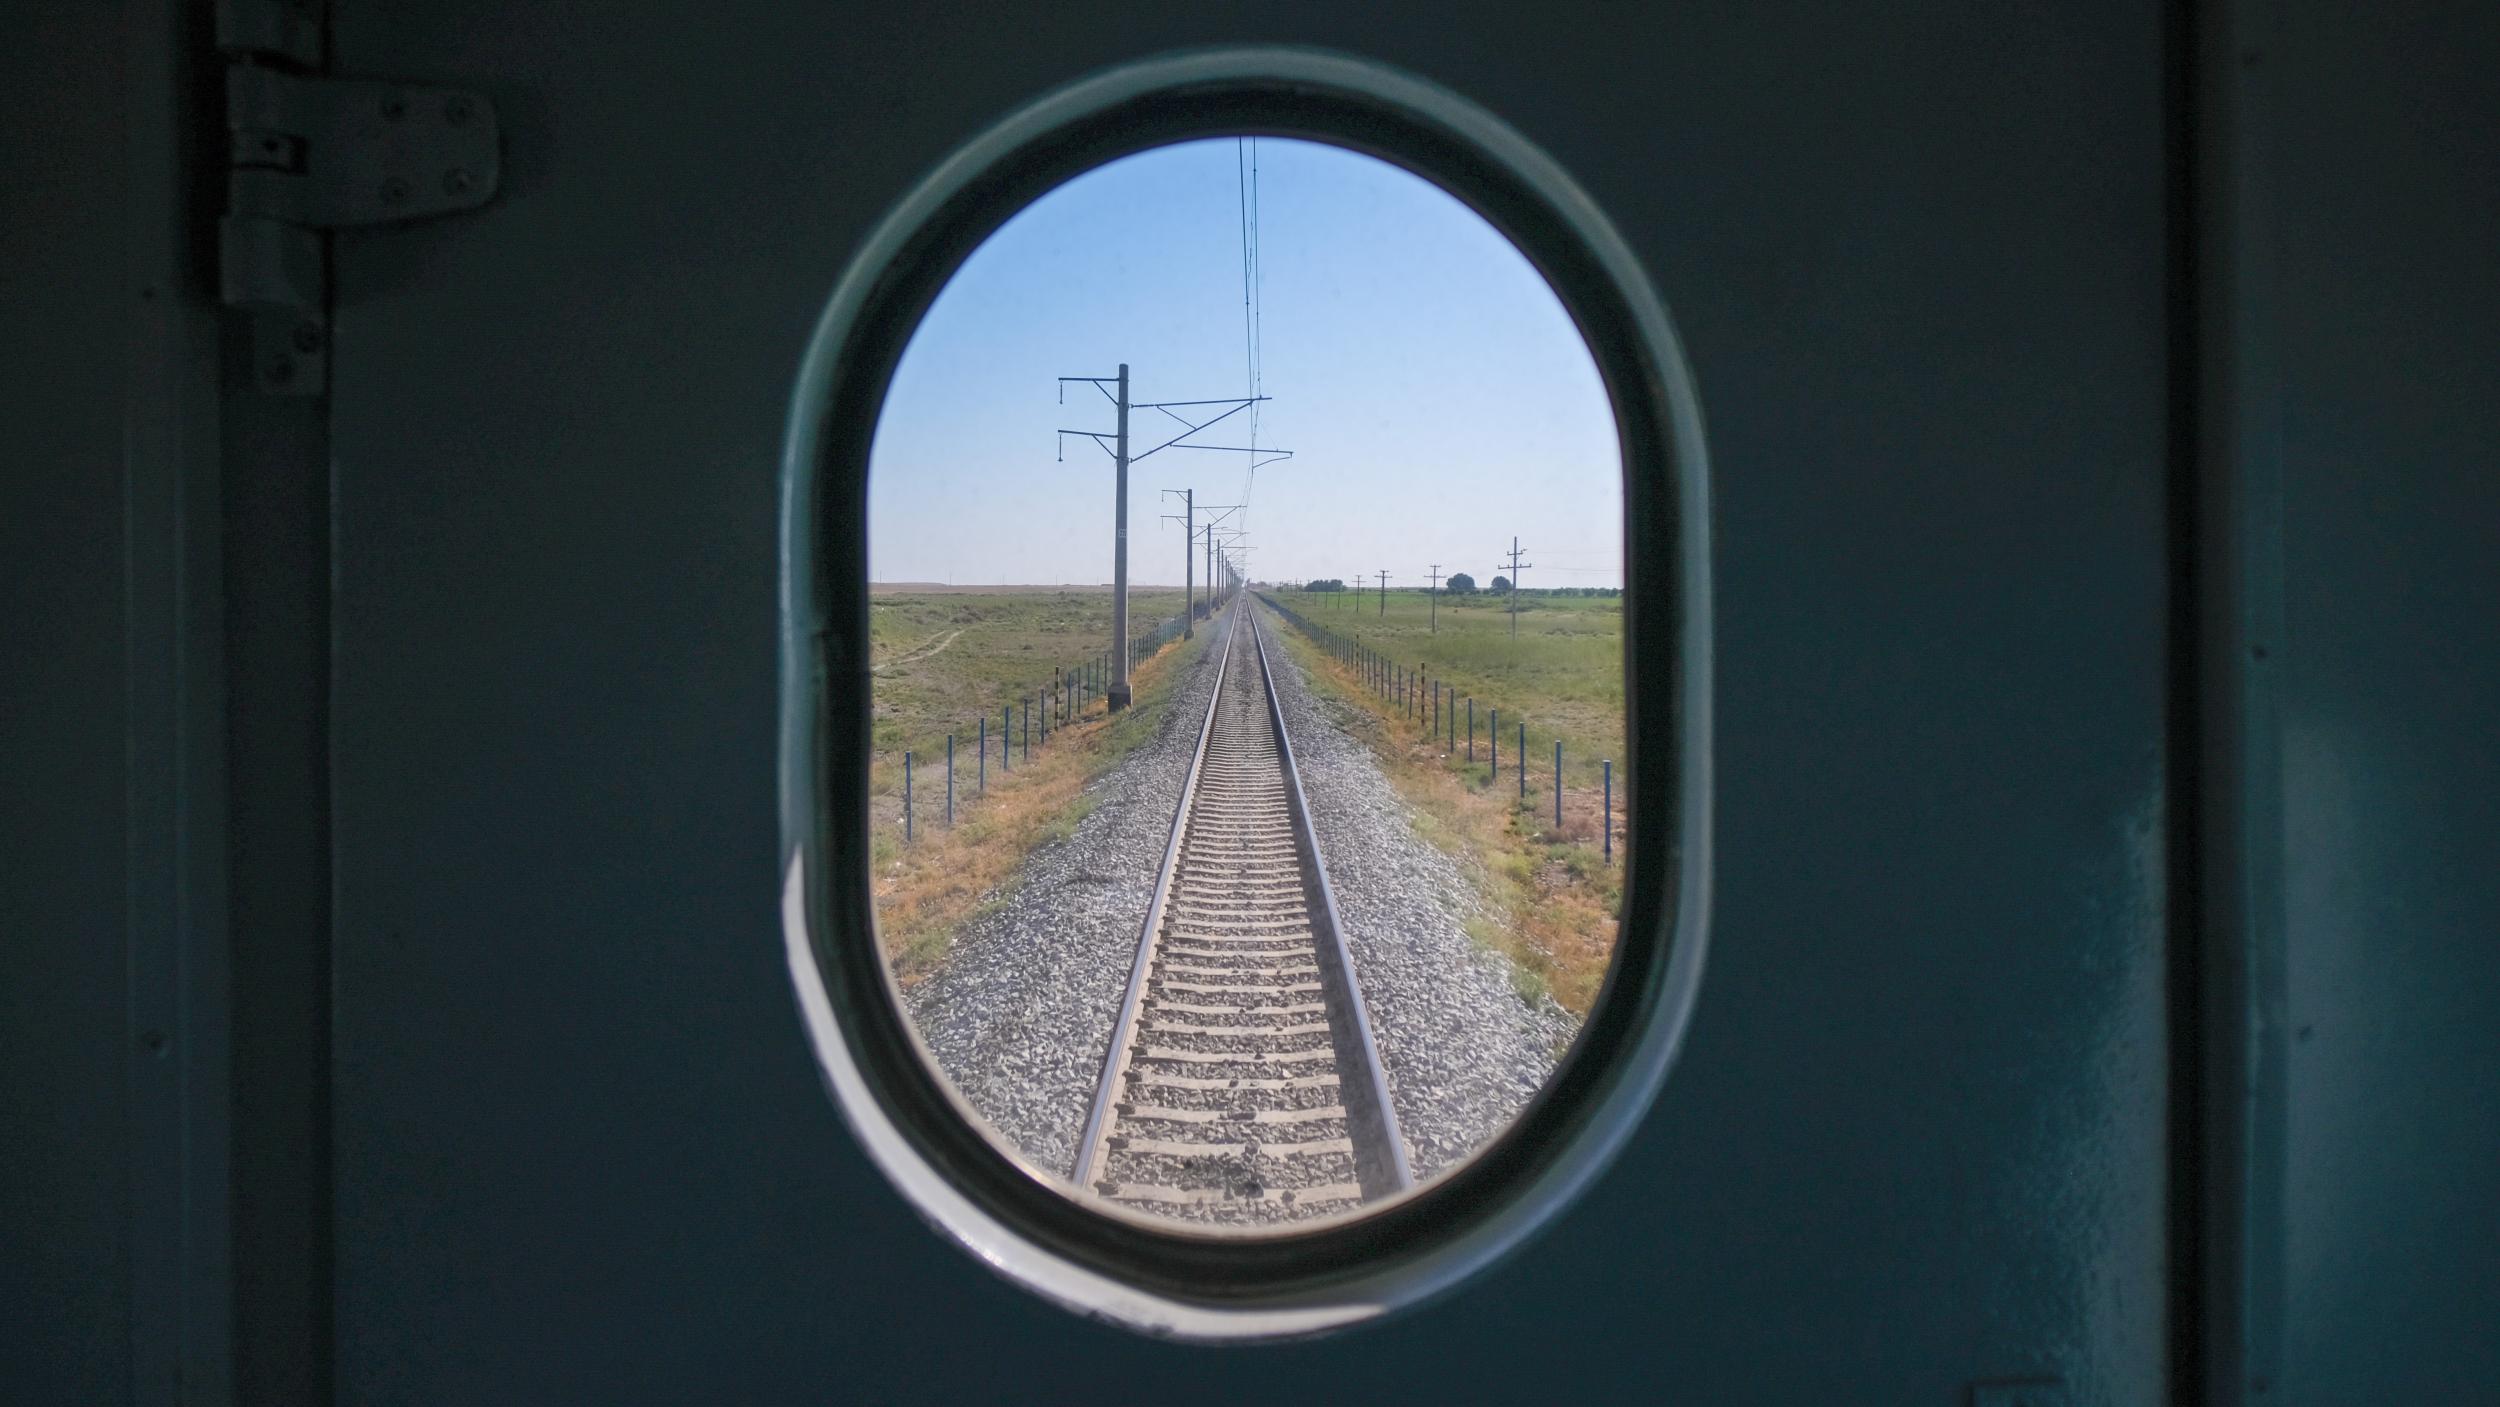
927 890
1558 901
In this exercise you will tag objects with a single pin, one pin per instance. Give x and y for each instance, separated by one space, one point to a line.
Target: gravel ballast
1020 1013
1463 1053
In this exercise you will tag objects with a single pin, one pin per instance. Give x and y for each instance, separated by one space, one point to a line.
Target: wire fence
1440 712
1074 693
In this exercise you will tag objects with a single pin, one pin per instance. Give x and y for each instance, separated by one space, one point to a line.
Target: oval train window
1246 805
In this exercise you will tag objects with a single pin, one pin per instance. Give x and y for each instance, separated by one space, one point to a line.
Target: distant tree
1461 584
1501 583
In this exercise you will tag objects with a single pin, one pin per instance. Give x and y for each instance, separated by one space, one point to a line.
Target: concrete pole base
1119 696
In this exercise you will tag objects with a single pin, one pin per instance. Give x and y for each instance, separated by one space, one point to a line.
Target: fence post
1007 736
950 781
1024 711
1558 784
1493 737
981 769
1606 817
1471 728
1523 761
907 797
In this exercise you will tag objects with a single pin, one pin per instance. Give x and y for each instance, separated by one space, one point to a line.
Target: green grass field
941 661
944 660
1553 891
1562 676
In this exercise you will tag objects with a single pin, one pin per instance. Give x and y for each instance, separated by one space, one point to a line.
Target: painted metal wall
476 797
65 878
2388 681
1917 1137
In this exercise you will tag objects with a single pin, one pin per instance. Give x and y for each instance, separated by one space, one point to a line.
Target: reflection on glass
1246 556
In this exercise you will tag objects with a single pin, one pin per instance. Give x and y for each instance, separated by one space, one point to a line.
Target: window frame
914 1126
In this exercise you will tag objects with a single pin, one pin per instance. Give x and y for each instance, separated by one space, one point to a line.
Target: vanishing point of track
1242 1086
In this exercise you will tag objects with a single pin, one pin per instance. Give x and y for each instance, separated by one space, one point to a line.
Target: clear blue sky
1436 396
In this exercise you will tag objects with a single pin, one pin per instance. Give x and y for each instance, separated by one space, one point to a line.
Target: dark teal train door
1915 1145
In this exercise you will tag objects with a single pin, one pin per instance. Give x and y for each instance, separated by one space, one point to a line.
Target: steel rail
1124 1032
1380 1158
1205 1108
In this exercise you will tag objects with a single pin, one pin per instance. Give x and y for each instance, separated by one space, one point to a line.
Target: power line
1246 190
1190 533
1515 565
1115 443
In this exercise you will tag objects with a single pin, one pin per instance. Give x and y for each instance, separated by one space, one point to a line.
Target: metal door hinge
309 154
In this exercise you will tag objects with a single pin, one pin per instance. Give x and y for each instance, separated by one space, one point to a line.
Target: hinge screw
455 181
308 337
393 109
456 111
395 190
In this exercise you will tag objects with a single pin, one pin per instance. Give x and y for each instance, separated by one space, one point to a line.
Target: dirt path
916 655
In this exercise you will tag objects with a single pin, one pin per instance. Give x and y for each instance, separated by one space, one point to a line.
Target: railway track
1242 1087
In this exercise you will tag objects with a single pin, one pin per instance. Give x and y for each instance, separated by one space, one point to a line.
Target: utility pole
1189 558
1216 514
1436 600
1383 594
1117 694
1515 565
1227 570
